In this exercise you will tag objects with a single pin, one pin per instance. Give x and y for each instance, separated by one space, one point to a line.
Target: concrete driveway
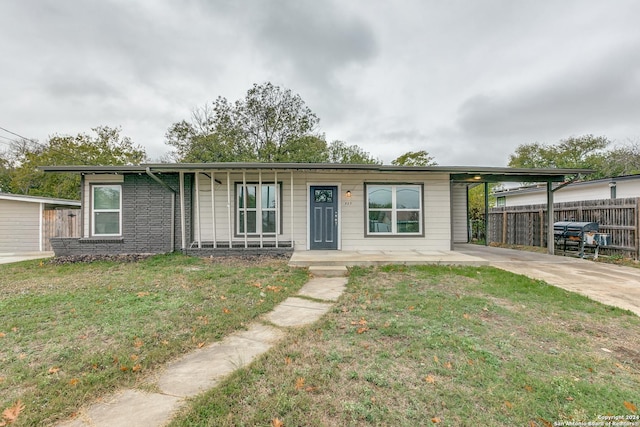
6 258
607 283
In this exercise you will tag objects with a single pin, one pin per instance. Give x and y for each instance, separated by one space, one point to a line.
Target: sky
467 81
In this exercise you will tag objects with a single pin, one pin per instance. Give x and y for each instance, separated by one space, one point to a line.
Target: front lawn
72 333
445 346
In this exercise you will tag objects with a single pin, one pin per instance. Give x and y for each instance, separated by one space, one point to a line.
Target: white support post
244 206
275 198
183 226
198 225
213 208
229 208
260 192
291 208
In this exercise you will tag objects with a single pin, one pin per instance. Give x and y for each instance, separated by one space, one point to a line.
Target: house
218 207
619 187
24 221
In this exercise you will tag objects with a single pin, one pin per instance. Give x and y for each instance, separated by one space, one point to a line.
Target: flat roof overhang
468 174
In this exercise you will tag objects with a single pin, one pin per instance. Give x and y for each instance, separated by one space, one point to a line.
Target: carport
483 175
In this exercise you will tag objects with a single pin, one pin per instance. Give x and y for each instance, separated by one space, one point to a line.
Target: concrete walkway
606 283
205 368
6 258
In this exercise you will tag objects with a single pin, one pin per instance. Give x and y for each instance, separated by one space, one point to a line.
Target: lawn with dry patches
431 345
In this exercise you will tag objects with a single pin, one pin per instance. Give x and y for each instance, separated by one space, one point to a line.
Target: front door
323 221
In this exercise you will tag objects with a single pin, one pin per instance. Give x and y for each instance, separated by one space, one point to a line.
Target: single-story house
211 208
620 187
23 221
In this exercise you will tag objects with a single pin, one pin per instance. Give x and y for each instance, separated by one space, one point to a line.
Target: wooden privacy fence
526 225
59 223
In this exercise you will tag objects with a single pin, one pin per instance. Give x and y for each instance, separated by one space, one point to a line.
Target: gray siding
19 226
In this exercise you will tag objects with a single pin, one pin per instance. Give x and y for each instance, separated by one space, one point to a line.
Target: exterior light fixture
348 194
477 177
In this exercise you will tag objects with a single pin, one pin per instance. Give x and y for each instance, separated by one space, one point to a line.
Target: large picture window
106 209
257 208
394 209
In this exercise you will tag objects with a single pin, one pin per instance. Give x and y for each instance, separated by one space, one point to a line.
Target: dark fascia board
458 173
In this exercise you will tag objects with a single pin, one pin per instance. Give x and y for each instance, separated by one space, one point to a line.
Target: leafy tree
622 160
106 147
340 152
581 152
585 151
269 125
415 158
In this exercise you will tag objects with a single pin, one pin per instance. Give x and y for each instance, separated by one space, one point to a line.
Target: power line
19 136
44 146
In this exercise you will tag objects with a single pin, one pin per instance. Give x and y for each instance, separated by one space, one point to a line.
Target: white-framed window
257 208
394 209
106 210
501 201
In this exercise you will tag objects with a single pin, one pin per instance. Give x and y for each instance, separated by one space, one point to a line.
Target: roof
37 199
458 173
535 189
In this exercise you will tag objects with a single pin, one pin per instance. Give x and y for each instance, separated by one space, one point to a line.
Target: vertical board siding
526 225
59 223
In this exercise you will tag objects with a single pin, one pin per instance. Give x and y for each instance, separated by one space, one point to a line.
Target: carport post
486 213
550 237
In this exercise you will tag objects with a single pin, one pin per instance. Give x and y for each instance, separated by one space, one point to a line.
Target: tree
622 160
585 151
105 148
269 125
340 152
415 158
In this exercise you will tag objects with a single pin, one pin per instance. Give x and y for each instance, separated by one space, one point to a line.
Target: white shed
23 221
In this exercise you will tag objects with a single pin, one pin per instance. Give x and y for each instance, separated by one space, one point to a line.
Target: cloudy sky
465 80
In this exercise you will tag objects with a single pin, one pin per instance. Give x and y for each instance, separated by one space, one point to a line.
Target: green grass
72 333
409 346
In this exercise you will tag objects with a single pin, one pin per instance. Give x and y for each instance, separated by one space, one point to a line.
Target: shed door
323 221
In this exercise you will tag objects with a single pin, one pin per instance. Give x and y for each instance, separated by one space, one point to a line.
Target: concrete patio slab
324 288
204 368
381 257
297 312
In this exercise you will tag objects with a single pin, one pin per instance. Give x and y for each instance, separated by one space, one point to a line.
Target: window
258 208
394 209
106 210
501 201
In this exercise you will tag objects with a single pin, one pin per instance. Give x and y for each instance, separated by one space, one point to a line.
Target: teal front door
323 221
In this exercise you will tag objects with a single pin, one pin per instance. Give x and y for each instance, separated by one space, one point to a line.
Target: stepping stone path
204 368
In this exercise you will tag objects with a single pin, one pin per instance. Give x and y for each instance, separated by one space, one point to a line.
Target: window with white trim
394 209
257 209
106 210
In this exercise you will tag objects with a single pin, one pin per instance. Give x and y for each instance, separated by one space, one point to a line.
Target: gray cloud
466 81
